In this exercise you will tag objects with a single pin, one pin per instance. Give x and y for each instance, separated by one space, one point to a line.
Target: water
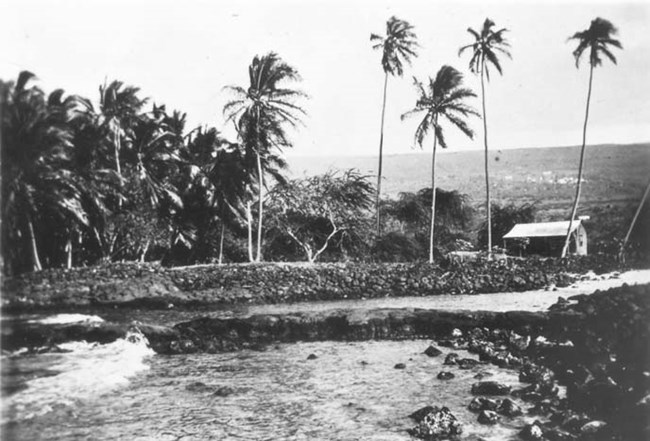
123 391
351 391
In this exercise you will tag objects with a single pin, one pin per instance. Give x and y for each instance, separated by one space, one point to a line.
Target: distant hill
614 174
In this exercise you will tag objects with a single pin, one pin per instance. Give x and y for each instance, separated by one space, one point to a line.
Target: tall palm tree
398 47
261 114
598 39
485 49
442 99
38 184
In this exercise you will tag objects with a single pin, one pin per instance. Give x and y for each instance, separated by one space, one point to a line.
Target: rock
437 424
593 427
490 388
509 408
456 333
467 363
451 359
532 432
482 375
419 414
432 351
312 357
479 404
224 391
488 417
400 366
444 375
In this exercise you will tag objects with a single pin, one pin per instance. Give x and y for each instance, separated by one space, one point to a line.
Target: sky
182 54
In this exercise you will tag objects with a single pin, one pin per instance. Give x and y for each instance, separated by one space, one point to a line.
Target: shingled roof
542 229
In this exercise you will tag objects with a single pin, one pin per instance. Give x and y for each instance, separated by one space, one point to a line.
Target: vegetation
488 43
398 47
443 99
126 180
598 39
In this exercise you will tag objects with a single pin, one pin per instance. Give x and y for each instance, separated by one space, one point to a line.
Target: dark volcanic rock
439 423
400 366
532 432
479 404
312 357
490 388
419 414
451 359
467 363
432 351
444 375
488 417
509 408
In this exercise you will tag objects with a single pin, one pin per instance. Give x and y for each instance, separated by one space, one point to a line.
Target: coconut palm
262 112
486 48
443 99
39 187
398 47
598 40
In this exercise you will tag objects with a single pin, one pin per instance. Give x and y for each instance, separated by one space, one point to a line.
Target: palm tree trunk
574 209
488 205
223 229
433 195
36 261
621 254
381 155
68 249
260 174
118 168
249 219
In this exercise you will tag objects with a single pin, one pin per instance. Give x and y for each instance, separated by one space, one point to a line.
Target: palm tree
38 185
398 47
598 39
261 112
484 53
442 99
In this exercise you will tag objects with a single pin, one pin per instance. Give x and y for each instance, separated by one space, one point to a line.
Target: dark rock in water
451 359
224 391
490 388
488 417
432 351
197 386
479 404
467 363
444 375
532 432
482 375
531 373
437 424
509 408
419 414
400 366
363 362
312 357
593 427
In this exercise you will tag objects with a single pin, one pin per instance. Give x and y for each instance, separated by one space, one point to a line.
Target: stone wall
149 285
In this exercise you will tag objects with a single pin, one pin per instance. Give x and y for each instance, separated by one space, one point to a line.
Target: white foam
88 371
62 319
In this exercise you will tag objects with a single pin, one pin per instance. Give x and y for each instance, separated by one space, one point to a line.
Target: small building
546 239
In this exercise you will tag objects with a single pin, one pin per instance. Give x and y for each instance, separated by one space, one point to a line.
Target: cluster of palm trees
82 184
443 98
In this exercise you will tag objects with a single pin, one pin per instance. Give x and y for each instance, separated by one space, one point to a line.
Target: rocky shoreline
595 346
153 286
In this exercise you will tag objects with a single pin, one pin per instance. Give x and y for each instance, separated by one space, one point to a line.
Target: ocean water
123 391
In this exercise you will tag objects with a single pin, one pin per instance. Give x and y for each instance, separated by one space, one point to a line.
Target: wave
84 371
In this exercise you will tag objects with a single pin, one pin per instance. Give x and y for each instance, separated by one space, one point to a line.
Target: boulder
532 432
488 417
444 375
509 408
439 423
490 388
312 357
467 363
432 351
400 366
451 359
479 404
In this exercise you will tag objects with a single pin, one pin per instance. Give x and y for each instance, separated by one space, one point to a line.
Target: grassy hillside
615 175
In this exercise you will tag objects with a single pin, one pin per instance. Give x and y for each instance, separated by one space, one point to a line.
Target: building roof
542 229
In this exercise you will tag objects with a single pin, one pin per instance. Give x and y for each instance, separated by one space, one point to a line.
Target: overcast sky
182 53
